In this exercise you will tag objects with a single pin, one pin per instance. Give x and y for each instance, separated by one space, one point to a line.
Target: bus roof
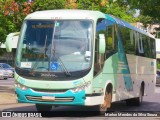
81 14
66 14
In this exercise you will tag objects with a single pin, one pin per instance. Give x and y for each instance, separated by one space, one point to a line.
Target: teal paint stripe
110 18
122 58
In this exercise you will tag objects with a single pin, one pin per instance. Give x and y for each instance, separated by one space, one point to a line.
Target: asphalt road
150 104
7 82
6 86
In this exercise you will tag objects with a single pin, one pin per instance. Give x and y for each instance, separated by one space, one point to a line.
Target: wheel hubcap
107 101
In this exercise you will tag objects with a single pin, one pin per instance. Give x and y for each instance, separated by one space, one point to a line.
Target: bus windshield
55 46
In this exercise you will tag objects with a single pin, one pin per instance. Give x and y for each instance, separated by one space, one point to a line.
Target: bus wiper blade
67 73
45 48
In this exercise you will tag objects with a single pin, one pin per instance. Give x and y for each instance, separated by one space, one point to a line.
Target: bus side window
153 48
99 58
139 45
111 41
127 37
96 63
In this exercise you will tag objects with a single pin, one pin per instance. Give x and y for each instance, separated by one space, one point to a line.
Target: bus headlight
81 87
18 85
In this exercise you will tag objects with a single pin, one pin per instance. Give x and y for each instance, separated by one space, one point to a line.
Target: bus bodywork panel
140 70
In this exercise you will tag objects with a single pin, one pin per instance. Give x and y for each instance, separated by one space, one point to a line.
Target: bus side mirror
102 44
9 41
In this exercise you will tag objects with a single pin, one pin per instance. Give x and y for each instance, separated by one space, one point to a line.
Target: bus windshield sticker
43 26
54 65
26 64
57 24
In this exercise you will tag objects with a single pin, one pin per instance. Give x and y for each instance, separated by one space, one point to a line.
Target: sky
137 13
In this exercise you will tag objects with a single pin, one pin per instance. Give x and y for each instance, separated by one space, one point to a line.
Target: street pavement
7 95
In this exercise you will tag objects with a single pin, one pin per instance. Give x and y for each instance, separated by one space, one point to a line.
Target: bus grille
49 91
57 99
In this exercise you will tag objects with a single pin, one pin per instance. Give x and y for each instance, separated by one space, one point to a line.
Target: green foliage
47 4
147 8
89 4
119 8
158 65
11 19
145 20
6 26
122 12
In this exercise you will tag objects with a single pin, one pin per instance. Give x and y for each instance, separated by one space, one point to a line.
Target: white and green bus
82 57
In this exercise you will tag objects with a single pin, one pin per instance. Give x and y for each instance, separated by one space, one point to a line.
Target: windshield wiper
67 73
45 48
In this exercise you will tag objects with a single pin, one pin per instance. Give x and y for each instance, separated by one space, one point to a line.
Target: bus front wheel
41 107
106 104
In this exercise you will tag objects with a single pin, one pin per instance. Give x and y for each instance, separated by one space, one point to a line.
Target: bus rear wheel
136 101
41 107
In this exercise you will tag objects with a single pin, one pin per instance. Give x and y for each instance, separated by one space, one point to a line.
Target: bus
82 57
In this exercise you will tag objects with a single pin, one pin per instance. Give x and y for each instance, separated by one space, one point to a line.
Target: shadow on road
145 106
81 111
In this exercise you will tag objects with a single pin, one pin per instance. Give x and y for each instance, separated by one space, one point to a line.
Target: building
8 57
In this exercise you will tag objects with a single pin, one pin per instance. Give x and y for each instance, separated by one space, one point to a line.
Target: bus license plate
48 97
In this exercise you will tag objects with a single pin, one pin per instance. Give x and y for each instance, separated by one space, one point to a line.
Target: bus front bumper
67 98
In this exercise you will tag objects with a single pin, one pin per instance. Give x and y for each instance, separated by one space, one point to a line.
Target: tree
149 8
121 10
117 8
13 12
48 4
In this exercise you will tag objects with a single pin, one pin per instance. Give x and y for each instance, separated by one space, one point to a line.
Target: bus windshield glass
55 46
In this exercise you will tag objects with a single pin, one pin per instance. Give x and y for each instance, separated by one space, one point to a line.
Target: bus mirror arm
102 45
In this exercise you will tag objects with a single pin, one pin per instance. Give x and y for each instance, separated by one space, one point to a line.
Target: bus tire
106 104
136 101
41 107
